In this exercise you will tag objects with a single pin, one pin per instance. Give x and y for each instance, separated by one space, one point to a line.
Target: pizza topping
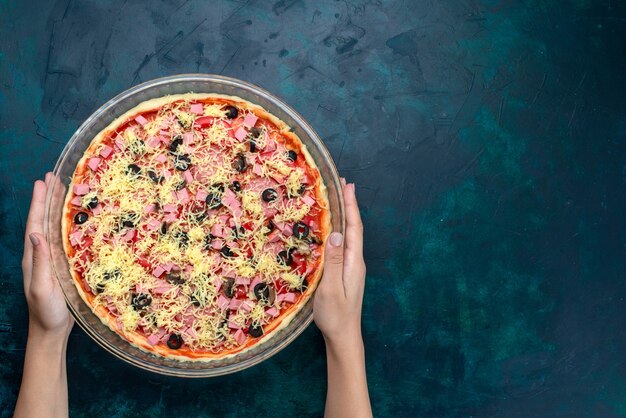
262 291
228 287
175 341
156 178
240 164
231 112
227 252
235 186
106 151
141 120
185 119
255 330
196 108
285 257
269 195
289 297
214 242
250 120
133 170
80 218
81 189
182 162
300 230
129 220
213 200
89 201
94 163
177 141
254 135
141 301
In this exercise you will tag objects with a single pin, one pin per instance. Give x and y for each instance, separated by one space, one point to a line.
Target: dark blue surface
487 140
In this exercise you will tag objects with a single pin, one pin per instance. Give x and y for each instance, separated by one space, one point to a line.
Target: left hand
48 314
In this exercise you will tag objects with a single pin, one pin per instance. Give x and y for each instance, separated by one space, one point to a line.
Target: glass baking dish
64 170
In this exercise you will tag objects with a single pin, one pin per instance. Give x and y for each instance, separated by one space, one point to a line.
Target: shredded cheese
153 235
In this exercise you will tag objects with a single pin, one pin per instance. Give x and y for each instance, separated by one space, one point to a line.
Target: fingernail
343 182
33 239
336 239
352 188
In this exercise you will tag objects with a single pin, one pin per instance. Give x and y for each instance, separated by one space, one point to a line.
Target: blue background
487 140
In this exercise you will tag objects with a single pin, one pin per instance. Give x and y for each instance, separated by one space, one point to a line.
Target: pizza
194 226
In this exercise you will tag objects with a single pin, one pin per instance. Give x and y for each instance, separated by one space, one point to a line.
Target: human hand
43 392
47 312
337 313
339 296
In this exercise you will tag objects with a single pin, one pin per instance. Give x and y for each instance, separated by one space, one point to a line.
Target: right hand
339 296
47 311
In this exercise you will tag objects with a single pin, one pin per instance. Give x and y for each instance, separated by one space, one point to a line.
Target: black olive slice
182 237
141 301
174 277
130 220
155 177
231 112
227 252
80 218
262 291
93 202
175 341
300 230
269 195
213 201
114 274
235 186
229 287
284 257
182 162
240 163
177 141
133 170
239 232
253 135
255 330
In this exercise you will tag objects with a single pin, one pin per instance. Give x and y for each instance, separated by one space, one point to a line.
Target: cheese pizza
195 225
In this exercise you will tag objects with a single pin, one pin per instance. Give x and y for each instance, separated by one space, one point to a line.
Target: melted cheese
189 308
294 182
251 203
292 212
214 110
294 280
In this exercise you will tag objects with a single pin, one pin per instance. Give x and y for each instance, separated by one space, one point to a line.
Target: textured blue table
487 140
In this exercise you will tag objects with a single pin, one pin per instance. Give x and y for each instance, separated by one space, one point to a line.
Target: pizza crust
139 340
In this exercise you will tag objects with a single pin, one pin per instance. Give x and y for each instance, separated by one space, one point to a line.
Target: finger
41 260
33 224
333 264
354 266
343 182
354 225
48 177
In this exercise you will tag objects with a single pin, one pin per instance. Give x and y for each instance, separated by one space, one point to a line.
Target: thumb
41 260
333 259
